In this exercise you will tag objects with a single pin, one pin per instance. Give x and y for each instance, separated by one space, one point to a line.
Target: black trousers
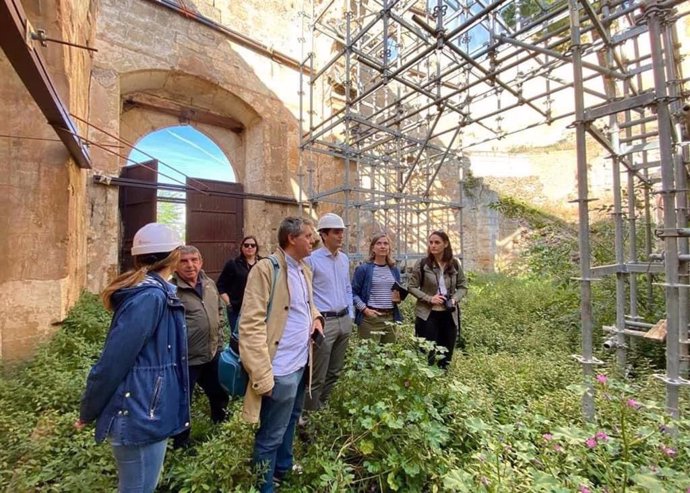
441 329
206 375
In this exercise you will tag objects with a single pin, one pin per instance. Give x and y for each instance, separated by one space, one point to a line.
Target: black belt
381 310
339 314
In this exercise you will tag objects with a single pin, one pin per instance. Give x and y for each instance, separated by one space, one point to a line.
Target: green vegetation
506 417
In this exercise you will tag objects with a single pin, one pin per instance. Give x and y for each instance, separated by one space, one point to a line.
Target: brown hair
389 259
447 251
150 262
256 250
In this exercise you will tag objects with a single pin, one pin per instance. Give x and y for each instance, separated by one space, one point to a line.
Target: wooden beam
15 40
184 113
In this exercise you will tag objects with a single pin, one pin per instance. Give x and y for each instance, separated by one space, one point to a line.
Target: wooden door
137 206
214 221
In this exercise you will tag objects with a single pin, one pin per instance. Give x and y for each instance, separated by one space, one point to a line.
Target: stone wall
41 189
197 67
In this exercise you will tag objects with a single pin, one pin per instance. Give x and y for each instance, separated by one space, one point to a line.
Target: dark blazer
233 279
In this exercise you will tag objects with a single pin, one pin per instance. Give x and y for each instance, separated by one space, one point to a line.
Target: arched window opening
181 152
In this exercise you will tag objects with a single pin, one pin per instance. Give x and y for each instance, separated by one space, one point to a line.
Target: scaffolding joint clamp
672 232
587 362
676 382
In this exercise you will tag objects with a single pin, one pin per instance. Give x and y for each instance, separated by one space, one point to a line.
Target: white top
293 348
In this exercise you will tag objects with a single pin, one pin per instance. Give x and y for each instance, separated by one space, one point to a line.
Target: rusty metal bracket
31 69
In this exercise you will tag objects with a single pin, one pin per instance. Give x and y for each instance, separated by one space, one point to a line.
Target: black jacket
233 280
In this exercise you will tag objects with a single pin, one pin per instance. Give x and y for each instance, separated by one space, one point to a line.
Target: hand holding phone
317 338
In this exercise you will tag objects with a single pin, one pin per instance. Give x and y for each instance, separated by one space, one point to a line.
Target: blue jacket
361 289
138 391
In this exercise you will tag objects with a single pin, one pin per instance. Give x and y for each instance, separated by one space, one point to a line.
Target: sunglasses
249 245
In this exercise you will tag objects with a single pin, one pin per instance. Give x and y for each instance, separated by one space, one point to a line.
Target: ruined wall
199 67
41 189
545 177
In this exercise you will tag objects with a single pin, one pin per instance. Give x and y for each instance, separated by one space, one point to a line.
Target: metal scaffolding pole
398 94
587 359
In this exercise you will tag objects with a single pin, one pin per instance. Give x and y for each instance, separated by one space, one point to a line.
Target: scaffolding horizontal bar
640 101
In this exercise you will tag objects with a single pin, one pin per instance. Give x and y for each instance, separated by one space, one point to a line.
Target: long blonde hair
372 255
142 265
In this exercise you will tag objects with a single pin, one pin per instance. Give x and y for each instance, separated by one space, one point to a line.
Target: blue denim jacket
138 391
361 288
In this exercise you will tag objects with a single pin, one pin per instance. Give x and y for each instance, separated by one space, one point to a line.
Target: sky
186 150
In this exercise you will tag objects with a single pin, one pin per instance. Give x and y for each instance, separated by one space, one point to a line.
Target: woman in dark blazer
233 278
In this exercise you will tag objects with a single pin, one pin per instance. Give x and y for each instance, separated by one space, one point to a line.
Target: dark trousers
206 375
441 329
233 314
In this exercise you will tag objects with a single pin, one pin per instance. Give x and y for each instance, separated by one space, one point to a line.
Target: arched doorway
180 177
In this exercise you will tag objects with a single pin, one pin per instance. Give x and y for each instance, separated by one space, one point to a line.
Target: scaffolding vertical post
583 214
655 14
681 186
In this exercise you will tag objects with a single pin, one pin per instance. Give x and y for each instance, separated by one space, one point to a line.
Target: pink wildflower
601 436
633 403
668 451
547 436
591 442
558 448
584 489
602 379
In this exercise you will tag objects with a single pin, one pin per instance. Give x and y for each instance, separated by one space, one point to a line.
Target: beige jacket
453 276
259 338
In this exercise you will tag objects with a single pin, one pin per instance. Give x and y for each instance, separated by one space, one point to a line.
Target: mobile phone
317 337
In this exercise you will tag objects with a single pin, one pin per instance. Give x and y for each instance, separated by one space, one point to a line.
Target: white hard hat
330 221
155 238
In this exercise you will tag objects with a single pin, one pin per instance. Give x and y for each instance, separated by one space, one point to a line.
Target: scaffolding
398 91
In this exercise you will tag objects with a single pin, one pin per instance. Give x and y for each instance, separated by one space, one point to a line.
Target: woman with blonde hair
375 300
138 390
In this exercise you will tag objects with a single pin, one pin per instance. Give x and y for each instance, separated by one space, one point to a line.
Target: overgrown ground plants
506 417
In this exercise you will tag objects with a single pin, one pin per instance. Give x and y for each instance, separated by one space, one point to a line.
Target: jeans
328 361
139 466
439 328
206 375
279 414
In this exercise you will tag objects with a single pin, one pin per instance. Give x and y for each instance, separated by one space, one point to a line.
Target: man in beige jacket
275 347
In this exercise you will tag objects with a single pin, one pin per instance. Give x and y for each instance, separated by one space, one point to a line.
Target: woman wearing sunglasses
233 279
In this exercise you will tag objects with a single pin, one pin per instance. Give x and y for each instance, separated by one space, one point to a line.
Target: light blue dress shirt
331 284
293 348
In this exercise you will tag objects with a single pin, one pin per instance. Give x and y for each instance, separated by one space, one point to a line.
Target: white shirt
293 348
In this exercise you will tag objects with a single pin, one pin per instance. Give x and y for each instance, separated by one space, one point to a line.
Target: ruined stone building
232 70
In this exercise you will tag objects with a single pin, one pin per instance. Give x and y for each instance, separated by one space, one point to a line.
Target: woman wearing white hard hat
137 392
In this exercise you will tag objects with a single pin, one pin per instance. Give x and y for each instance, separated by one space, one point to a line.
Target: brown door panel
214 222
137 207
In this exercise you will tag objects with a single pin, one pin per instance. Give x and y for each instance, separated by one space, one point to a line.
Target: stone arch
155 99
